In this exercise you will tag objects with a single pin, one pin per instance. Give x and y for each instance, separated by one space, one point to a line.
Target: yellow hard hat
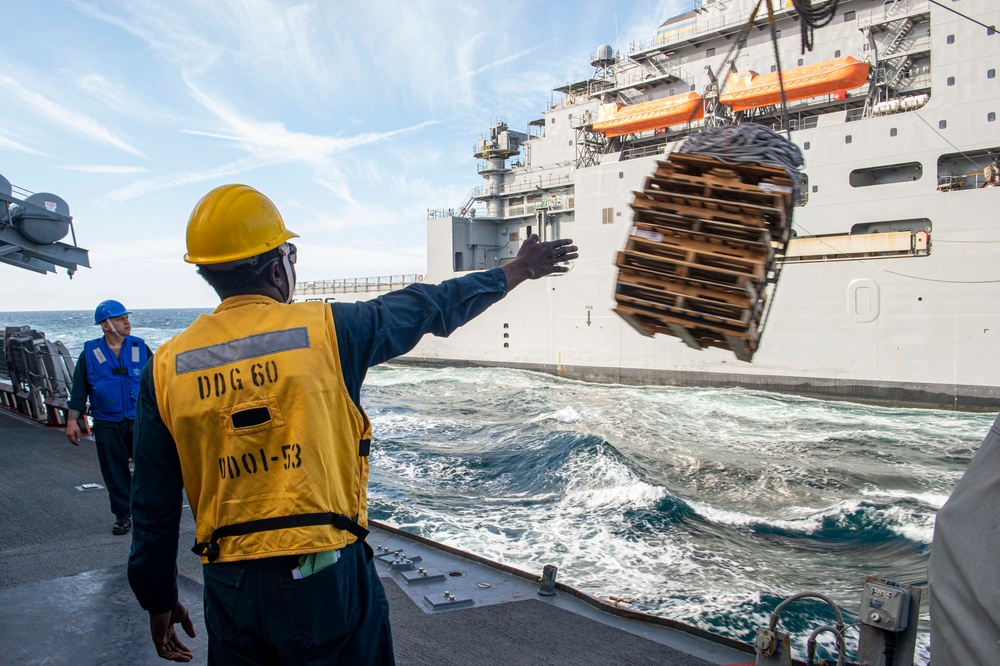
233 222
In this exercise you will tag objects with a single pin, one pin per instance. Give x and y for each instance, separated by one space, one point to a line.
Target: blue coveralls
256 613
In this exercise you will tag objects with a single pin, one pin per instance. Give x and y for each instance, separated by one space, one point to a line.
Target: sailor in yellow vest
254 410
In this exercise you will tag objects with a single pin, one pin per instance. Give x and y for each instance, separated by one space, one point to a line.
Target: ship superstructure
889 287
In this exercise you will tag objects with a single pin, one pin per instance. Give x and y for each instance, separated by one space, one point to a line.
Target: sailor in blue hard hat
107 376
115 315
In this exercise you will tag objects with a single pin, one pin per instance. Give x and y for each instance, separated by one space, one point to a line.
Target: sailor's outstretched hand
536 259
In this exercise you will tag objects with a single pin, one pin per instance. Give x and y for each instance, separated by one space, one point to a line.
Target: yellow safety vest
273 450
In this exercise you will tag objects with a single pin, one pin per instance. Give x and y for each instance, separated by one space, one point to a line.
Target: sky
354 118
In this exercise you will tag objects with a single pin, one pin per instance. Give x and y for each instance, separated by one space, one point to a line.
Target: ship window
608 216
848 138
692 87
806 145
621 174
889 173
801 61
863 300
942 124
991 73
815 188
552 121
671 92
892 131
848 16
774 68
964 170
951 80
950 39
991 116
912 225
836 54
710 52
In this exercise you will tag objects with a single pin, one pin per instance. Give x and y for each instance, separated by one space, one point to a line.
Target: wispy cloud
124 100
178 179
493 65
272 140
65 116
101 168
166 32
14 145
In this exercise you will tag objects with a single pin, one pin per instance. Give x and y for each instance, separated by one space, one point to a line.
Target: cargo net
708 231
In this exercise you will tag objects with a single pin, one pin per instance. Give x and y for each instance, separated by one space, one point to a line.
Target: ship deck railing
303 290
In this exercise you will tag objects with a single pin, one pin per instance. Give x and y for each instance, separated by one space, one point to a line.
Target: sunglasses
286 250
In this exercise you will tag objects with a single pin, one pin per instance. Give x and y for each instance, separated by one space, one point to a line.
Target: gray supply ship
888 285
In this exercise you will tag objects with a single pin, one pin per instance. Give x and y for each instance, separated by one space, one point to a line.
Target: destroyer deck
64 597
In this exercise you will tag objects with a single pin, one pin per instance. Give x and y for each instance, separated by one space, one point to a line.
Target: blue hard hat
109 309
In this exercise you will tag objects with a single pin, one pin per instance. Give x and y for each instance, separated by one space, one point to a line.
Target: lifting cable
813 16
990 29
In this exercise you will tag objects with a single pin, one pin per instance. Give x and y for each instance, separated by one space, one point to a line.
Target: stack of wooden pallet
705 243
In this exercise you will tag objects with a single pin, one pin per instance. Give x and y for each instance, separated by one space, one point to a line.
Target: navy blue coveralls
256 613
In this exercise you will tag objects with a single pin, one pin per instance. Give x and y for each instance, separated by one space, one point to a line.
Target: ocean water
707 506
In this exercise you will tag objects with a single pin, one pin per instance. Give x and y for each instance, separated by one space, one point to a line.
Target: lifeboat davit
749 90
615 120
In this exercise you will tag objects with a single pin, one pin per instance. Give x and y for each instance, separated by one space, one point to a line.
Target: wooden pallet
704 245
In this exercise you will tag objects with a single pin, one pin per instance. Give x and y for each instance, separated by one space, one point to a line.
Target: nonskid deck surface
64 597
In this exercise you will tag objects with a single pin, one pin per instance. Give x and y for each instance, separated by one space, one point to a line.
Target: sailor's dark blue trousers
114 450
256 613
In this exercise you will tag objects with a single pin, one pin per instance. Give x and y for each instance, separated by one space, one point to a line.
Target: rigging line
730 57
781 78
946 140
990 29
926 279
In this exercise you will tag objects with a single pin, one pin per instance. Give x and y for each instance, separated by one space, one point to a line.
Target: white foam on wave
935 500
808 523
564 415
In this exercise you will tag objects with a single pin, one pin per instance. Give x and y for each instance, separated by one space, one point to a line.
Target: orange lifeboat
615 120
750 90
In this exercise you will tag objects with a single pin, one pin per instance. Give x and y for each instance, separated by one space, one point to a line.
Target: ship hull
919 325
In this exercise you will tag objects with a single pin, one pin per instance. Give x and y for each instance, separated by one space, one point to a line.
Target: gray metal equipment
886 635
31 231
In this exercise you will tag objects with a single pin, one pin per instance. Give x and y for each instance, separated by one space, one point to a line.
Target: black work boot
123 524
